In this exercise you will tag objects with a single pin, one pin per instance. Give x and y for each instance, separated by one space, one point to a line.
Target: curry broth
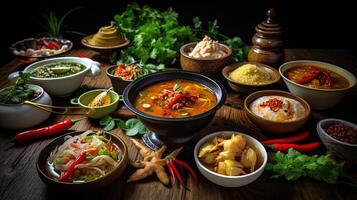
149 102
296 73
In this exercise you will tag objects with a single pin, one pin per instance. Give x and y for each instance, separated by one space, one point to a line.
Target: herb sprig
132 126
19 92
294 165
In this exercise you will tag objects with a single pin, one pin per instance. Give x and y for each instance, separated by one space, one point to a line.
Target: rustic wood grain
19 179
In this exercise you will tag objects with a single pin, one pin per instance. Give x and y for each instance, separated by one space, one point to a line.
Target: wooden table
19 179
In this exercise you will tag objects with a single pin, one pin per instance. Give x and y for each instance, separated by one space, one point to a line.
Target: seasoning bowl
231 181
208 66
248 88
174 132
62 86
336 147
118 83
330 97
273 126
44 173
21 116
101 111
105 51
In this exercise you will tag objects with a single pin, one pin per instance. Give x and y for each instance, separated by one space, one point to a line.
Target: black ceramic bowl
42 167
173 131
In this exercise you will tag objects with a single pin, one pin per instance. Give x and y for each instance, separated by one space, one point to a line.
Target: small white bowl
62 86
231 181
21 116
319 99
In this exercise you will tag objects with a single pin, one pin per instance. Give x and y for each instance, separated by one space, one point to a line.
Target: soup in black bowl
174 104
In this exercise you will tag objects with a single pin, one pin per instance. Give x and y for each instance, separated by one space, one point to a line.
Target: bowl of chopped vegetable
82 161
60 76
40 47
16 115
123 74
339 137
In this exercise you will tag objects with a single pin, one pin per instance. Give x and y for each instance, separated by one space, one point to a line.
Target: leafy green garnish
156 35
177 87
295 165
132 126
18 93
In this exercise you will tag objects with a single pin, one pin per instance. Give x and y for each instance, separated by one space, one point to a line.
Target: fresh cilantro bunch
239 48
19 92
132 126
294 165
156 35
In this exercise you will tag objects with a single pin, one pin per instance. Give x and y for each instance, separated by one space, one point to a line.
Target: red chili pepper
325 78
187 167
45 131
70 170
177 98
177 174
305 79
169 165
55 44
294 138
299 147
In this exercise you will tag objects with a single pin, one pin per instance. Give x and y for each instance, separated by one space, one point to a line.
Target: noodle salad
84 157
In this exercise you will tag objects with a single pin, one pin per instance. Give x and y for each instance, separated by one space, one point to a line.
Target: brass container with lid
268 42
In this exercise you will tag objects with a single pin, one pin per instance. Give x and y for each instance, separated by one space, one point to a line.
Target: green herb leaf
295 165
177 87
105 120
109 126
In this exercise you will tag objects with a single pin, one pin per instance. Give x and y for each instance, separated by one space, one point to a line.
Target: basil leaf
105 120
109 126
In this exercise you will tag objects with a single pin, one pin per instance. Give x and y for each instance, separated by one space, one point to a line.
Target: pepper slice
70 170
313 73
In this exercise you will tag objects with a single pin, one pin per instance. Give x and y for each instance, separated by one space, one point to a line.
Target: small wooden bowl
41 165
207 66
273 126
104 50
246 88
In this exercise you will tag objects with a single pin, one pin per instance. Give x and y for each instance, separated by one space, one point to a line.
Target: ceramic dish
21 116
275 127
43 171
62 86
104 50
207 66
246 88
175 131
37 44
336 147
118 83
98 112
330 97
231 181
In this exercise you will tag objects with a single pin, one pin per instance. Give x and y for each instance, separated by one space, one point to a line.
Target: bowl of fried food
230 159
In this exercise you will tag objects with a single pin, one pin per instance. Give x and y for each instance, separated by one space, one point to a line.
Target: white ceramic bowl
231 181
319 99
20 116
62 86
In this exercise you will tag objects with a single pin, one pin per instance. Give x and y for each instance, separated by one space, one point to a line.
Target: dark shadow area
307 24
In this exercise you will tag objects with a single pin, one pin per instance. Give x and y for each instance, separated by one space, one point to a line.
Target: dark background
307 23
